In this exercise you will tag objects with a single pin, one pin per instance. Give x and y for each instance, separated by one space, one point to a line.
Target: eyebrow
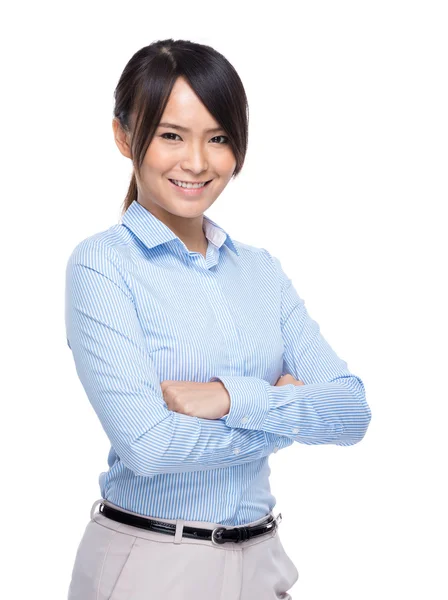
174 126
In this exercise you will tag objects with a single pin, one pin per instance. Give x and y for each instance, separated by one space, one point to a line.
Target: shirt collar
152 231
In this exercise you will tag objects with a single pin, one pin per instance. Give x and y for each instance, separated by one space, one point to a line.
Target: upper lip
186 181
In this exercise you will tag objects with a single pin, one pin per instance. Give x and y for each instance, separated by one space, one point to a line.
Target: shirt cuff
249 401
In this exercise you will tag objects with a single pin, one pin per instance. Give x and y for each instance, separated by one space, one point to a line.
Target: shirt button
295 430
276 449
236 451
244 420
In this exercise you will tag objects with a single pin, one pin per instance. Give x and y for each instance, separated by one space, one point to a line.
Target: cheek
157 159
227 163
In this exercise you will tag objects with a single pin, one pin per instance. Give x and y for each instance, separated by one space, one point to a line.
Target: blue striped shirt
140 308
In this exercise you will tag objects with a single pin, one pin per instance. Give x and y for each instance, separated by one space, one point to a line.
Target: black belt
219 535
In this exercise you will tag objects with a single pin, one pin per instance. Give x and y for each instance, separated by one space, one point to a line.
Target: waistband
182 529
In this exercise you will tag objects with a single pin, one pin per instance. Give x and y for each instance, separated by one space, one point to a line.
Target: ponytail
131 194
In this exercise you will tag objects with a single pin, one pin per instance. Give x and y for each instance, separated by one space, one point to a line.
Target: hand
205 400
285 379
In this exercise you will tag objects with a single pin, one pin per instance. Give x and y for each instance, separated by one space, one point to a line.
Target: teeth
188 185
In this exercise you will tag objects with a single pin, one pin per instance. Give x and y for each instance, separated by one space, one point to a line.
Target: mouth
206 183
190 191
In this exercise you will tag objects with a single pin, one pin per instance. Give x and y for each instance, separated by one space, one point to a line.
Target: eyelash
216 136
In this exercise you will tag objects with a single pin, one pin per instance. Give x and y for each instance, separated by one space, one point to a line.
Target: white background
345 181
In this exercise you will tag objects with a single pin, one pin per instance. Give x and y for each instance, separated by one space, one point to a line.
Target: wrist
224 397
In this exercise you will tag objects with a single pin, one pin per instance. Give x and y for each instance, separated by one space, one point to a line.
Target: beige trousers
115 561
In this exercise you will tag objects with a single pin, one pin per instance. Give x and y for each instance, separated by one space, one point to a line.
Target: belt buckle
277 520
221 529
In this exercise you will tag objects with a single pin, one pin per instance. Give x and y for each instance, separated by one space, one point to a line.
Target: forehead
185 108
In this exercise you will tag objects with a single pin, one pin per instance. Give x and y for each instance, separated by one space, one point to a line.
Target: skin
193 155
205 400
188 156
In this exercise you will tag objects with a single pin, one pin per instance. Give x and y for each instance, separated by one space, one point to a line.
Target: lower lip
192 191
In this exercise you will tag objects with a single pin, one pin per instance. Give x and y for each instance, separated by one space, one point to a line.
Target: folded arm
330 408
122 385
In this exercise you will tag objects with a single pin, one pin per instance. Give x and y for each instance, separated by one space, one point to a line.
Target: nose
195 159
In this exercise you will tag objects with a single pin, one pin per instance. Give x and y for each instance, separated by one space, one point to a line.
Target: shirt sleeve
122 385
330 408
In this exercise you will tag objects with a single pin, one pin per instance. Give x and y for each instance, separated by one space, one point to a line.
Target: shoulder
106 253
258 255
252 252
111 245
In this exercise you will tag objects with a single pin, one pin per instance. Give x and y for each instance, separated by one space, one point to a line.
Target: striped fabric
140 309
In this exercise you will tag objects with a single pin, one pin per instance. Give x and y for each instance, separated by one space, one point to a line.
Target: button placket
224 318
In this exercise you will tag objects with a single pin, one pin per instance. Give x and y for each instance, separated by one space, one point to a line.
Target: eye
222 136
169 134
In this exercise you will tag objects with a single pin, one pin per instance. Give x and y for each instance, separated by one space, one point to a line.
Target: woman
196 352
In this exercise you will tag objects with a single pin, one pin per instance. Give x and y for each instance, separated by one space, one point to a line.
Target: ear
121 138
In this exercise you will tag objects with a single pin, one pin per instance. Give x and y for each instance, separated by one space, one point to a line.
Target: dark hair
145 85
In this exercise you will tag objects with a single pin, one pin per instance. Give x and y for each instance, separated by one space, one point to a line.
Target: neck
188 229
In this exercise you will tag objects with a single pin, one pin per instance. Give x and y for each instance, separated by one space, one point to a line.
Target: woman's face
192 154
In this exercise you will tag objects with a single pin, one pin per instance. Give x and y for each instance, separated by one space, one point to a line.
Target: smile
188 185
188 190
